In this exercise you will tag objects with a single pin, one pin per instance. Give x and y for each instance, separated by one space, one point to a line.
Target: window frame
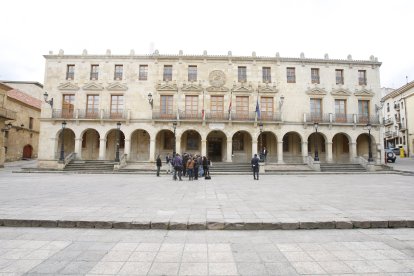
70 71
362 77
315 76
167 73
266 74
118 71
143 72
116 113
339 79
291 74
242 74
94 75
192 73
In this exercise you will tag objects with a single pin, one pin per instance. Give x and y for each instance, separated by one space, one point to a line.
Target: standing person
255 167
190 169
178 166
159 164
205 166
196 166
168 163
185 159
264 153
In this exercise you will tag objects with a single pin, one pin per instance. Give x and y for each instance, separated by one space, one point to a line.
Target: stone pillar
78 148
102 149
178 144
203 148
328 147
254 149
280 152
127 149
152 150
305 152
229 150
352 152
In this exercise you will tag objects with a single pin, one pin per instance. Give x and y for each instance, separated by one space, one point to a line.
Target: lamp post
174 148
150 100
261 142
50 102
316 125
62 150
369 143
118 127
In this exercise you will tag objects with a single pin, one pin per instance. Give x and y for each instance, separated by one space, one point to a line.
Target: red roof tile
24 98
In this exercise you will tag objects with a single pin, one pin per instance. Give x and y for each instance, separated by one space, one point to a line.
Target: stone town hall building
226 107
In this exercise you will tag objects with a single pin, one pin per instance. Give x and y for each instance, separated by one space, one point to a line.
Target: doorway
27 152
214 149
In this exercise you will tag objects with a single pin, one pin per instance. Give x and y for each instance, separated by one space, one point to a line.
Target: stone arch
140 145
268 139
191 141
362 147
341 148
317 142
111 143
164 143
242 146
68 142
217 146
292 147
90 140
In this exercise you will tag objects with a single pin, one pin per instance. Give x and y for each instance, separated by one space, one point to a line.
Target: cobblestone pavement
280 198
55 251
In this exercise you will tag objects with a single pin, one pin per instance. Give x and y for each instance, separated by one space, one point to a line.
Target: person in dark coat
159 164
255 167
196 165
205 166
178 167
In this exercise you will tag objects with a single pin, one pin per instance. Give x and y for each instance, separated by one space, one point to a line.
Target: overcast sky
29 29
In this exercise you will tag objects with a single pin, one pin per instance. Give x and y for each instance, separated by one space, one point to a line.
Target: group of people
189 165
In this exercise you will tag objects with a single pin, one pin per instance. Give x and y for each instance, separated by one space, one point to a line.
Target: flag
258 109
202 114
230 106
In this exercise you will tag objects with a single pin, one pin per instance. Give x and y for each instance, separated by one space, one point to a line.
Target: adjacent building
399 118
226 107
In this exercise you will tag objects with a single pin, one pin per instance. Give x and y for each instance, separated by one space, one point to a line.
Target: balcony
388 121
63 114
243 116
270 116
186 115
7 114
401 126
217 116
89 114
390 134
342 118
169 115
365 119
82 114
316 118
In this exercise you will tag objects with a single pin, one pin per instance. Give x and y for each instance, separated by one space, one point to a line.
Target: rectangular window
290 74
217 107
242 74
92 106
30 122
118 72
388 107
266 75
68 105
362 77
117 106
166 106
363 111
143 72
315 75
242 107
94 71
266 108
339 76
167 76
70 72
191 106
340 111
316 109
192 73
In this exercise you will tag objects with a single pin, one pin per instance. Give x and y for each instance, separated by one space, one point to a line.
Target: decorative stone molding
93 86
166 86
341 92
217 89
116 86
192 87
267 88
364 93
316 91
242 87
68 86
217 78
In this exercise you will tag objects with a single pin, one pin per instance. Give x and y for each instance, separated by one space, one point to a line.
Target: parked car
395 150
390 156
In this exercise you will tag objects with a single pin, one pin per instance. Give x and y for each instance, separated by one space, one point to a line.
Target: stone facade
398 118
227 107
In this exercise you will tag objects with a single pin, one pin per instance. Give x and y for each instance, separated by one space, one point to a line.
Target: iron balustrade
365 119
317 117
270 116
243 116
342 118
89 114
217 116
63 113
110 114
189 115
164 115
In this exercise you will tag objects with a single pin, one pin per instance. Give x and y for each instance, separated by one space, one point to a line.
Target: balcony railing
217 116
7 114
164 115
388 121
317 117
342 118
390 134
365 119
89 114
110 114
63 113
186 115
270 116
243 116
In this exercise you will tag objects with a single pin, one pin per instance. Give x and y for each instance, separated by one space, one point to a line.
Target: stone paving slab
225 202
58 251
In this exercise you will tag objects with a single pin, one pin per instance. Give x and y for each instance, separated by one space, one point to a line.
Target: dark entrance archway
216 146
27 152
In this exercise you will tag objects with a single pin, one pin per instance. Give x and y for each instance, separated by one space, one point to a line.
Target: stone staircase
345 167
90 166
228 167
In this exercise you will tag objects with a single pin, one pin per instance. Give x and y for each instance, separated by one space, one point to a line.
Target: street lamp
50 102
118 127
150 100
62 150
316 125
174 127
261 142
369 126
282 99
